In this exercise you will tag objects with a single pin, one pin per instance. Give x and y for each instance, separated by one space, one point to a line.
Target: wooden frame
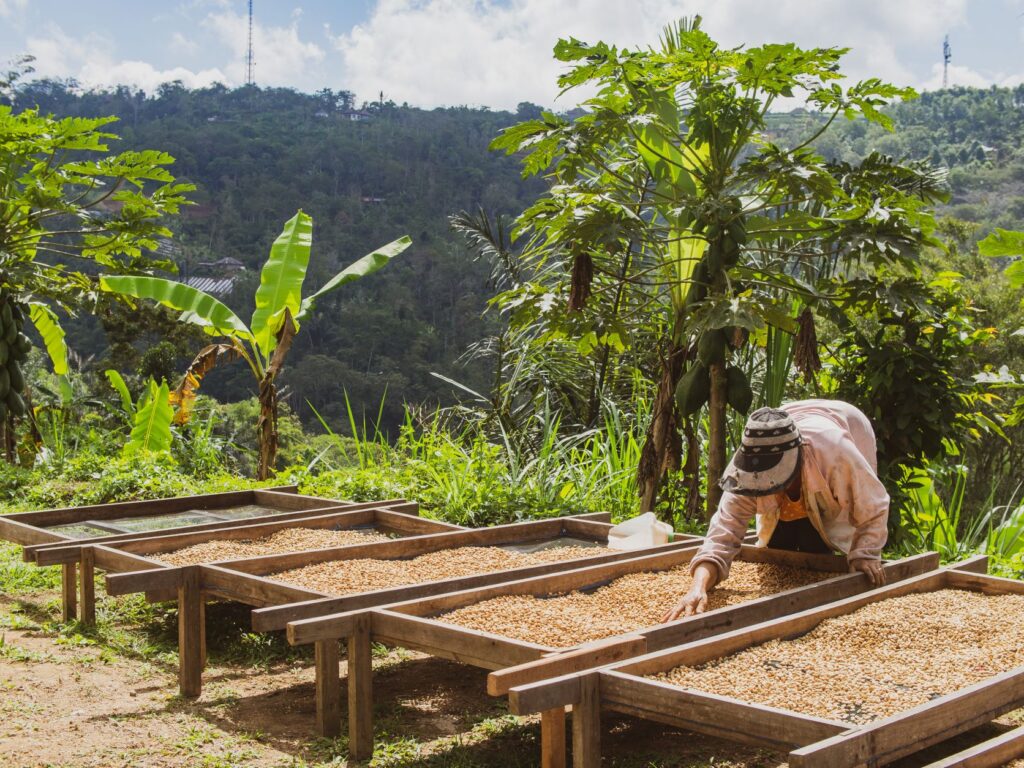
245 581
139 552
409 625
814 742
32 529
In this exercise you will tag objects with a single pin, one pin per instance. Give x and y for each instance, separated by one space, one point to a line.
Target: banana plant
263 344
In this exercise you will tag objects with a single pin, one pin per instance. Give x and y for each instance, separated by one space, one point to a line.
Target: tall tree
670 190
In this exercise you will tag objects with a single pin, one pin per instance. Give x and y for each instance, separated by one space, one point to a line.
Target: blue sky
482 52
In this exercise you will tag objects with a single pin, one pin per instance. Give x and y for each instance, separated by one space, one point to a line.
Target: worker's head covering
769 455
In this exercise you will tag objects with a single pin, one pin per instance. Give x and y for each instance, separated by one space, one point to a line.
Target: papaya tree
680 220
67 205
263 344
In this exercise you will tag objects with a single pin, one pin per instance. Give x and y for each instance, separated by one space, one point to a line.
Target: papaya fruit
711 347
693 389
16 404
6 314
23 344
5 352
5 383
738 393
16 377
10 333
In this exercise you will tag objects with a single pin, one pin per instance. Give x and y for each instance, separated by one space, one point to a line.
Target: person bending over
808 471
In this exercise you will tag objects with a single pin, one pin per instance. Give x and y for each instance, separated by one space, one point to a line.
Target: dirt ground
106 699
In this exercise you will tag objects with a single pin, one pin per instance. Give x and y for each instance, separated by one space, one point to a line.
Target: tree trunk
267 427
716 435
663 448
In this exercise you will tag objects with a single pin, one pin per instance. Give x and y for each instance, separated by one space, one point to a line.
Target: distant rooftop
215 286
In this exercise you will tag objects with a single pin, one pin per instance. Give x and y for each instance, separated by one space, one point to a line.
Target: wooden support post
328 689
190 633
202 630
360 690
87 586
552 738
586 724
69 591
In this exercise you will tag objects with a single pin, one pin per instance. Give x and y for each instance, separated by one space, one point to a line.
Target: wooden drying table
814 742
410 625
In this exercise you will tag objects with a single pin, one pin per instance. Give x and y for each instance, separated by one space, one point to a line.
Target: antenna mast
947 54
250 77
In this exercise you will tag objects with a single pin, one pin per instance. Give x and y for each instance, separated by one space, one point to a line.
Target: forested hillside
368 175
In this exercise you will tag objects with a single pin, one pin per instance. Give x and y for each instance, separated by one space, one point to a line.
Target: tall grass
476 475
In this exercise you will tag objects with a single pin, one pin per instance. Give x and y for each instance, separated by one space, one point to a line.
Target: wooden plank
586 724
884 741
68 591
105 526
715 715
138 508
250 590
547 694
452 642
596 517
360 690
27 535
328 689
975 564
991 585
153 579
113 560
190 634
61 541
552 738
278 617
988 754
586 657
87 583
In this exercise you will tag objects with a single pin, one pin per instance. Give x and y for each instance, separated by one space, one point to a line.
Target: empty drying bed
342 577
625 605
885 658
287 540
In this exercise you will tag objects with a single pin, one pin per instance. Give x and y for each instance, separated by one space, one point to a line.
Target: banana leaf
367 265
281 280
46 322
195 306
152 429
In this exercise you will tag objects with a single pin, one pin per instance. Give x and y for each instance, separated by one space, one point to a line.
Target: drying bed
260 581
128 518
144 551
426 625
867 679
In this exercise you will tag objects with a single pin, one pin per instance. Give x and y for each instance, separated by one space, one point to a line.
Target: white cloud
281 57
83 57
181 44
9 7
965 76
482 52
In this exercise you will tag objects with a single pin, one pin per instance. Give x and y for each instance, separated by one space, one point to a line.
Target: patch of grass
18 577
16 653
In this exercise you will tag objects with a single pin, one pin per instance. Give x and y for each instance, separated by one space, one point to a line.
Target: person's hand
873 570
693 602
696 600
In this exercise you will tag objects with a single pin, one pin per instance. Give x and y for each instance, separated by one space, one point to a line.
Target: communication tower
250 63
947 54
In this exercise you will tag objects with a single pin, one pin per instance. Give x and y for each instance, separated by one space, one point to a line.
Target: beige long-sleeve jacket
846 502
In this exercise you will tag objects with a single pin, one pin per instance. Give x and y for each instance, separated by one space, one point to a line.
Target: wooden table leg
87 586
328 689
586 725
360 690
190 634
552 738
69 591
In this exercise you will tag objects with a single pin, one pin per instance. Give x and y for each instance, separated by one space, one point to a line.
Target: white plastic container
645 530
